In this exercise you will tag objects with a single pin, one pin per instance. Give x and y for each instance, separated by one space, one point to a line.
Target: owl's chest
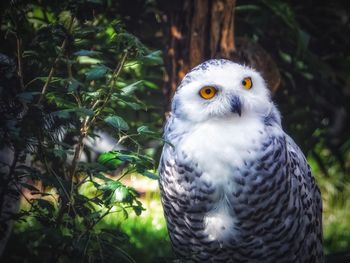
220 148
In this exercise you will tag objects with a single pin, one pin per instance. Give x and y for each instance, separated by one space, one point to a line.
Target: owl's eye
207 92
247 83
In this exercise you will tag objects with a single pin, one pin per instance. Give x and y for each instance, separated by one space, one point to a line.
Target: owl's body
235 187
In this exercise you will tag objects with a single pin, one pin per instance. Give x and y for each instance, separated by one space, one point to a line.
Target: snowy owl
234 186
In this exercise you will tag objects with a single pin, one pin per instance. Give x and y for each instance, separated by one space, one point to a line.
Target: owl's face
221 89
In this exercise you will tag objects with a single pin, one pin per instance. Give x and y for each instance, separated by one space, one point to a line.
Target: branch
87 122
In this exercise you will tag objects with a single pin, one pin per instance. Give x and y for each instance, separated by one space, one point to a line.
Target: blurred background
86 87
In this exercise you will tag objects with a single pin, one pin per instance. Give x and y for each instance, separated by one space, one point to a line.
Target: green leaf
60 153
102 177
91 95
96 72
84 52
88 60
87 31
110 160
131 88
121 194
60 101
27 96
150 84
154 58
73 85
30 53
138 210
303 40
141 162
150 175
134 105
45 204
80 112
128 156
247 8
117 123
145 130
285 56
62 114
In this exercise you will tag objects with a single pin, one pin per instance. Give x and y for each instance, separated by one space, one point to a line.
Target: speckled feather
236 188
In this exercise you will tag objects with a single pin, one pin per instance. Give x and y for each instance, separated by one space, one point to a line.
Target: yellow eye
247 83
207 92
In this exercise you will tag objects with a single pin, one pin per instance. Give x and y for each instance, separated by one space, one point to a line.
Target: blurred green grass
147 233
335 189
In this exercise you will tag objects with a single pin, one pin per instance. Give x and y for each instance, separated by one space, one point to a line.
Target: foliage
76 76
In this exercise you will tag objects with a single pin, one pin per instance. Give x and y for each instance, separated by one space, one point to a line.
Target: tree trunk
197 30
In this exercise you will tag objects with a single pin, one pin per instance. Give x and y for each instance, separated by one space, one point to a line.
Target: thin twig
19 190
69 68
100 248
87 243
77 99
77 153
19 62
30 82
50 170
90 227
126 136
118 69
52 70
82 181
124 174
95 104
114 76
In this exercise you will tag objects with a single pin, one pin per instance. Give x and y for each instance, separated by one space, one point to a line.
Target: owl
234 186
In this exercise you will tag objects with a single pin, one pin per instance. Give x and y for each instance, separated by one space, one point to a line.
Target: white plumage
235 187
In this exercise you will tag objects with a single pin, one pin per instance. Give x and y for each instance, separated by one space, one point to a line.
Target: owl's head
220 88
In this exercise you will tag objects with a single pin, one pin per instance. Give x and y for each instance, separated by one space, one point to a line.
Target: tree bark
197 30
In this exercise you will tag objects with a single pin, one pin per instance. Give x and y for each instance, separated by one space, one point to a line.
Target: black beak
236 106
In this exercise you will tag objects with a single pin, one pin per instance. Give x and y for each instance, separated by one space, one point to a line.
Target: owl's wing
310 198
169 188
173 202
184 199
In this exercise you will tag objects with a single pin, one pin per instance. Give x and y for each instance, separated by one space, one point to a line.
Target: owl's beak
236 106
